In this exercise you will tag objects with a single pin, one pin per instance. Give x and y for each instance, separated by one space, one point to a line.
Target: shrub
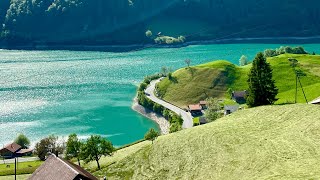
151 135
157 108
143 86
169 40
148 33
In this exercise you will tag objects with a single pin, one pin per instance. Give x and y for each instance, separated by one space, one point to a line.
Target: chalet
14 150
195 109
239 96
203 104
55 168
316 101
230 109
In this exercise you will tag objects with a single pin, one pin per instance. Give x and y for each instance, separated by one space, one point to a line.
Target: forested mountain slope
126 21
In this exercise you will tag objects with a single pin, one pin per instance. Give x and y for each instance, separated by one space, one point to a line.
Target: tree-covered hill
92 22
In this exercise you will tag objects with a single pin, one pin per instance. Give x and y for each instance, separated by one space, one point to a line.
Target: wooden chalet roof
55 168
239 94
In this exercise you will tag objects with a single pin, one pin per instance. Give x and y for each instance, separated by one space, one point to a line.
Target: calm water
63 92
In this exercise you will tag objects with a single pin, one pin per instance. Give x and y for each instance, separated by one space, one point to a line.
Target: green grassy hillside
249 144
213 80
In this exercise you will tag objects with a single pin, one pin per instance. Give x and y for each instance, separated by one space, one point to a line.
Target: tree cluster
284 50
91 149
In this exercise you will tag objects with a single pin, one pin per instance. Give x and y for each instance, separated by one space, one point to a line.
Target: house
239 96
55 168
14 150
316 101
195 109
203 104
229 109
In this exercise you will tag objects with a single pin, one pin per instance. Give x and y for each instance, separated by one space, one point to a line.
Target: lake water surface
63 92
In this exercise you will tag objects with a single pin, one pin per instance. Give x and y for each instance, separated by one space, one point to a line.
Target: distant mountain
124 22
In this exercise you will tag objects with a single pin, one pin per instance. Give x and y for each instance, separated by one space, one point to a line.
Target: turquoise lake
63 92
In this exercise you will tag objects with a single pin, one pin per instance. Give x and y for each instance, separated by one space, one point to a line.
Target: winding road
186 116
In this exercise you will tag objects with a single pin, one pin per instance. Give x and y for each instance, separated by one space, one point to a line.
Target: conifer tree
262 89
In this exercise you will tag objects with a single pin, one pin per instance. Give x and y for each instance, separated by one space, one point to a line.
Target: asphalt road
11 161
186 116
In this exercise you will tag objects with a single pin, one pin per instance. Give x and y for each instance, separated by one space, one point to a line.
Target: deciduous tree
213 109
243 60
47 145
73 147
96 147
23 141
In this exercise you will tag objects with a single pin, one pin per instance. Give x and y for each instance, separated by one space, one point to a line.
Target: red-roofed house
195 109
14 150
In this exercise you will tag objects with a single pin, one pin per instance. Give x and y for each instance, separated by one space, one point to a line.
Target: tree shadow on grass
173 79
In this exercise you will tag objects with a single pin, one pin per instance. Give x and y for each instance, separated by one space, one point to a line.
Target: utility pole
294 64
299 73
15 167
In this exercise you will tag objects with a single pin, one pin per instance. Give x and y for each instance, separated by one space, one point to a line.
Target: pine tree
262 89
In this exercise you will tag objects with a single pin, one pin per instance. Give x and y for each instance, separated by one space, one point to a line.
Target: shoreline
135 47
163 124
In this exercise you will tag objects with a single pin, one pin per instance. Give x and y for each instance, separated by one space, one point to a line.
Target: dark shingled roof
239 94
13 147
55 168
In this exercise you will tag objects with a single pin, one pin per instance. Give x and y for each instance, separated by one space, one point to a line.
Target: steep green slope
213 80
272 142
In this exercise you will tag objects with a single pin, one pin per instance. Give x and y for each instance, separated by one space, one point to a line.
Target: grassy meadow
19 177
249 144
190 85
22 168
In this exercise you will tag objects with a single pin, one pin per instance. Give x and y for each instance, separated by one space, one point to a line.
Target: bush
169 40
143 86
158 108
175 127
151 135
148 33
